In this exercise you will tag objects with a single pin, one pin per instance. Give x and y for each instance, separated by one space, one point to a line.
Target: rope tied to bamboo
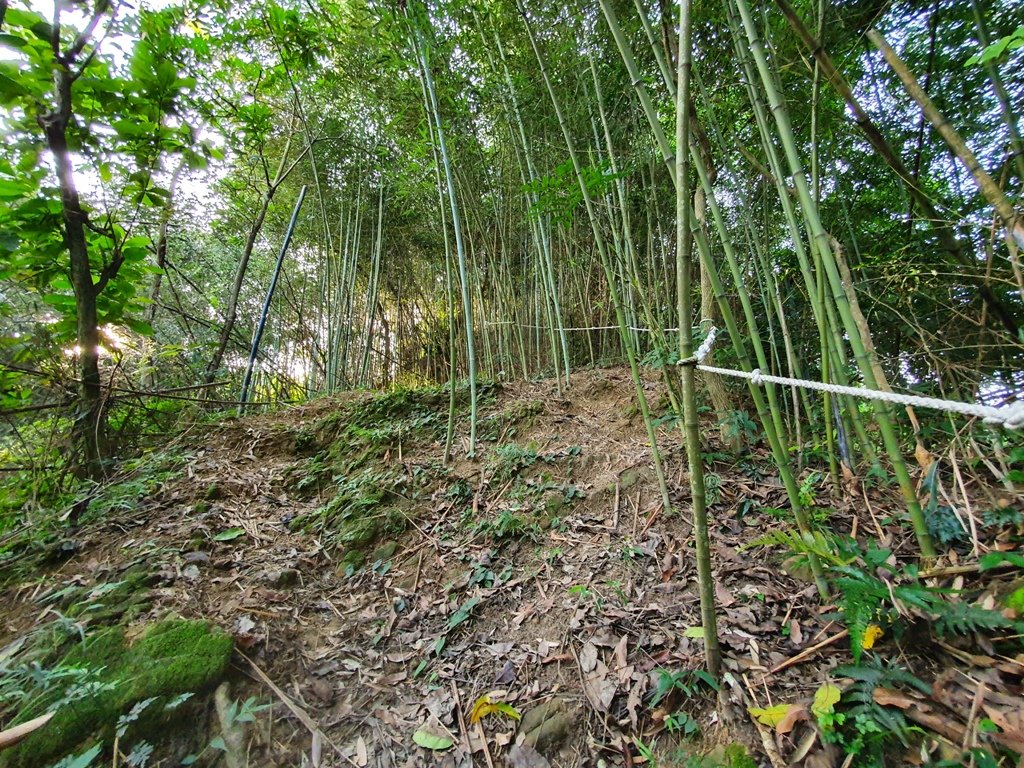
1010 416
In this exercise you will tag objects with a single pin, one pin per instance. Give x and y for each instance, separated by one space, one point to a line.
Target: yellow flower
871 635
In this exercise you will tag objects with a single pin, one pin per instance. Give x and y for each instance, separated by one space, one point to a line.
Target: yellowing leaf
871 635
196 28
695 632
484 707
825 698
433 741
770 716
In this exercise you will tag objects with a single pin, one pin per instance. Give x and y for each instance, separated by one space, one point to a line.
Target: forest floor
385 605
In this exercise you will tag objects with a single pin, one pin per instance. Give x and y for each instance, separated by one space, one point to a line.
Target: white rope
579 328
1010 416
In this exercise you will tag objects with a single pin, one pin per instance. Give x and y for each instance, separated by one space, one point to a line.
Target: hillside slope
375 595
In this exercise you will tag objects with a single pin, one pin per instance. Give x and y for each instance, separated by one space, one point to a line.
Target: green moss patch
366 509
505 424
171 658
364 430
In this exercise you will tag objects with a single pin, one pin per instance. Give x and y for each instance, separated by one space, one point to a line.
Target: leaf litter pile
535 606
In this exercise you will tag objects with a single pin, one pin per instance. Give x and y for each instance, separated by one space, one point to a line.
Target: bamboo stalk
684 247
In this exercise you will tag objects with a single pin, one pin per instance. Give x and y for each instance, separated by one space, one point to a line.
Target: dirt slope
545 573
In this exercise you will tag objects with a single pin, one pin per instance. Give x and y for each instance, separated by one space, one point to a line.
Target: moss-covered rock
385 551
731 756
172 657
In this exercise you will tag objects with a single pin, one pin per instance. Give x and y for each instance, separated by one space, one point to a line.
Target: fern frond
965 618
860 600
816 543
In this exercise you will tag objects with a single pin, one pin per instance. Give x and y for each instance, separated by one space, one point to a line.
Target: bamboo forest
511 383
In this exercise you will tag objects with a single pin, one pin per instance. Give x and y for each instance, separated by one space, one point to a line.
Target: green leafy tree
64 96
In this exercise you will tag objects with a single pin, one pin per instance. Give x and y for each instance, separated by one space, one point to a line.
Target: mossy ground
170 658
550 540
366 504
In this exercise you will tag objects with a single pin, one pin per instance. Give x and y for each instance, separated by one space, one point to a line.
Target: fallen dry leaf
525 756
588 657
794 714
886 697
600 687
1011 722
770 716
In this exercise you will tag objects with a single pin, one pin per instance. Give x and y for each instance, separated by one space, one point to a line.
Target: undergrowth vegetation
889 608
96 685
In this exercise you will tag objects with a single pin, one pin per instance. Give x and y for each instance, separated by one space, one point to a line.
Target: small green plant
682 724
872 589
712 488
646 752
243 712
459 490
580 590
81 760
509 524
739 427
688 682
632 552
617 589
1003 518
807 495
858 724
819 543
484 576
511 459
586 594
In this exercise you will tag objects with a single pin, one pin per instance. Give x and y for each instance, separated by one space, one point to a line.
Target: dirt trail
549 577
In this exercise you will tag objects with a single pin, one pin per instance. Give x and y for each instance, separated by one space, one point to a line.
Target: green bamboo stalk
684 246
606 265
770 416
467 304
820 242
823 310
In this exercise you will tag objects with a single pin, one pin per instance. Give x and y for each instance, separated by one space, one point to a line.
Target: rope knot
756 378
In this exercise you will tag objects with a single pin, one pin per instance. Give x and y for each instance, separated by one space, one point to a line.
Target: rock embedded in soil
547 727
384 552
283 578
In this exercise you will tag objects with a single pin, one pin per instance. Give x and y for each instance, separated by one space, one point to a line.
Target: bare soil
576 613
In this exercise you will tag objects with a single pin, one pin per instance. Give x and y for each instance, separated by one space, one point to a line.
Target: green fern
965 618
865 598
817 543
859 707
860 600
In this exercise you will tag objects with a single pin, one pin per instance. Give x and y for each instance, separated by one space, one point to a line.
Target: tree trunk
90 433
243 265
709 315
